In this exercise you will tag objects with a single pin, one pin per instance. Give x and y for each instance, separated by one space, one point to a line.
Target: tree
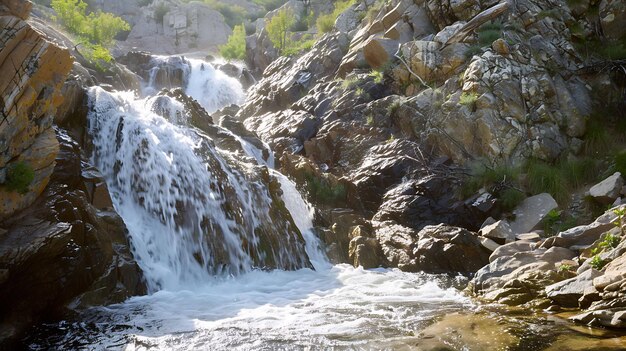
278 28
104 27
71 13
235 48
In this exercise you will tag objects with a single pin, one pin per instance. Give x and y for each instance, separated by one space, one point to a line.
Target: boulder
608 190
567 292
510 249
499 231
434 249
364 252
530 213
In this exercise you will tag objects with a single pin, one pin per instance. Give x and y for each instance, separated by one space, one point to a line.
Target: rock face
168 27
434 249
34 72
61 241
69 246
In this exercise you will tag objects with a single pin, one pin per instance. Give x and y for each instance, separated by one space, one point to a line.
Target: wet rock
519 278
364 252
63 249
608 190
434 249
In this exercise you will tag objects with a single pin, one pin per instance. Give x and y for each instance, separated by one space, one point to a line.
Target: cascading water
192 214
196 210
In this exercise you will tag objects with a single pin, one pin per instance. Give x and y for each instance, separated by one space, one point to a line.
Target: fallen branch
476 22
396 55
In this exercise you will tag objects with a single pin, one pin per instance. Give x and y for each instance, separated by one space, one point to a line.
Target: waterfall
194 209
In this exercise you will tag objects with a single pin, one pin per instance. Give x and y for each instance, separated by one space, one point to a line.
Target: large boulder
531 212
608 190
434 249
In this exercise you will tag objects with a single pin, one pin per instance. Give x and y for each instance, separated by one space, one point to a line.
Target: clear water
193 306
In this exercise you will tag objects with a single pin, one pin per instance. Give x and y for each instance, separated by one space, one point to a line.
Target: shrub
597 262
19 177
610 241
469 100
378 76
278 29
510 198
473 50
321 191
620 162
488 33
482 175
235 47
597 138
545 178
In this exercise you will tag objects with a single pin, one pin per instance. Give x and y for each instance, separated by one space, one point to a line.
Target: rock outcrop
61 242
30 92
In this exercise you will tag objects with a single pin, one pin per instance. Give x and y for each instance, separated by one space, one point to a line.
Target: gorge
374 191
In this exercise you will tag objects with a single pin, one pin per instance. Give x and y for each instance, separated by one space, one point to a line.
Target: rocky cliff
383 119
61 241
34 72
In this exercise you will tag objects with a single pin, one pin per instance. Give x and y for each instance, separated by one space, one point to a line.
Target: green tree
235 48
278 28
104 26
71 13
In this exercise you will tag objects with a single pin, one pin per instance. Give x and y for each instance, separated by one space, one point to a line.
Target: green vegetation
610 241
597 140
564 268
235 48
473 50
95 31
501 180
619 222
294 47
620 162
322 191
326 22
597 262
488 33
278 29
554 222
378 76
469 100
19 177
560 179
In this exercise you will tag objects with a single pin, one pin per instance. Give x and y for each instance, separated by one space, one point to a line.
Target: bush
469 100
597 262
19 177
235 48
96 31
545 178
488 33
620 162
278 29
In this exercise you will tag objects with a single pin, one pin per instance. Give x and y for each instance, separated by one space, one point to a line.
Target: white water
194 308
